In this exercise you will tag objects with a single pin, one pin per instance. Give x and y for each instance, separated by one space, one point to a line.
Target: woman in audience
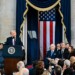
57 70
48 70
39 68
22 69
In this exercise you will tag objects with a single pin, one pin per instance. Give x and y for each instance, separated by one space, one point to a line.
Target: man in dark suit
13 40
51 55
52 52
64 51
58 50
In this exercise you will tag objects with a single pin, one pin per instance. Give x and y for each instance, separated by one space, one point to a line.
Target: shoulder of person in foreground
24 71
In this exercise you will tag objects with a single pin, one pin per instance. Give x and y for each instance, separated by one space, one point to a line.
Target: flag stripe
44 38
51 32
48 35
54 32
41 39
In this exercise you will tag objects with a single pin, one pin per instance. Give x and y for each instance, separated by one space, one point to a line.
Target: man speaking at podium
13 40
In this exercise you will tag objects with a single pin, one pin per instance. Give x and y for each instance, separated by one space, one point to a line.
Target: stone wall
7 18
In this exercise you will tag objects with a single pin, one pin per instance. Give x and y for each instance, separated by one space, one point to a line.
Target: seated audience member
51 54
67 45
22 69
72 60
68 71
48 70
71 51
61 63
56 61
64 51
67 63
32 71
13 40
58 49
39 68
57 70
1 56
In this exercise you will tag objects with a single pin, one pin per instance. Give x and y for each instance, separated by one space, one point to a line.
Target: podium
12 55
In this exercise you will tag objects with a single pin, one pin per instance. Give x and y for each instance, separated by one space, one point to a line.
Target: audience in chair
22 69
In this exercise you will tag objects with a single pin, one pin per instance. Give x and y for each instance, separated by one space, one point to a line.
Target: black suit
17 41
66 54
59 54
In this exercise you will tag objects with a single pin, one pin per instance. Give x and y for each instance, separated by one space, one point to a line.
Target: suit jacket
66 54
17 41
59 54
53 56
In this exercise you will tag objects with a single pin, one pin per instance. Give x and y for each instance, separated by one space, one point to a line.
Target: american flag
46 28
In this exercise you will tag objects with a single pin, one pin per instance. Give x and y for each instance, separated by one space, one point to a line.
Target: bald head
52 47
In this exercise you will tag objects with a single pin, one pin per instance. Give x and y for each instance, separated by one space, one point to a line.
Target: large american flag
46 28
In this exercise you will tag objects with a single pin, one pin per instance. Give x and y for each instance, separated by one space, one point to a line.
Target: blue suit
49 55
53 56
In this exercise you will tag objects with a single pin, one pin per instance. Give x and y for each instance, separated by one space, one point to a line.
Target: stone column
7 18
73 23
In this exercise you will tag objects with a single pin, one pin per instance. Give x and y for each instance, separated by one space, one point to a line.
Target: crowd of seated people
59 60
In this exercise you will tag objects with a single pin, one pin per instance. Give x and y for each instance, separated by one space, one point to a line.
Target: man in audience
64 51
51 54
67 45
58 49
67 63
13 40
